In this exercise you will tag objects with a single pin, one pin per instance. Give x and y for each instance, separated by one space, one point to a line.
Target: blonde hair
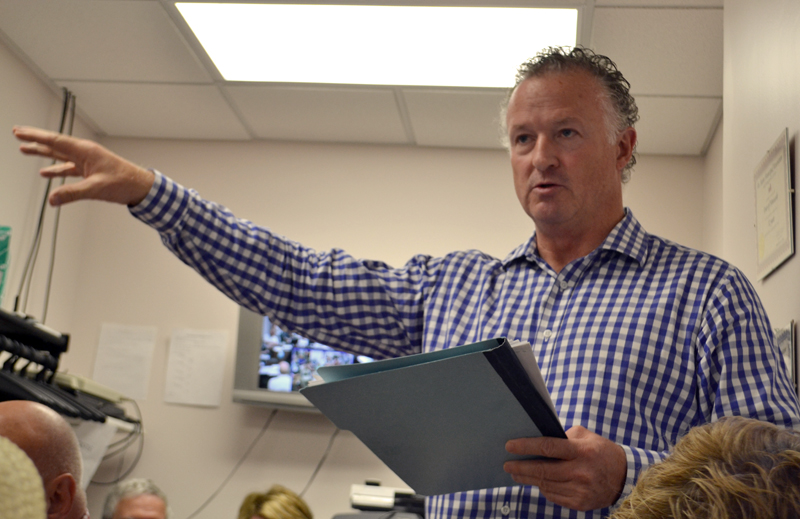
734 468
278 503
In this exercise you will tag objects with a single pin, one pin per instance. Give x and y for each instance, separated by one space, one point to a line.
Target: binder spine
508 367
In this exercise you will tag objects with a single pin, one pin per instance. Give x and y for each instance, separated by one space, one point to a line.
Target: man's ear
60 496
625 144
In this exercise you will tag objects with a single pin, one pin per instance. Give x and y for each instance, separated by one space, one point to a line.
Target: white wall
712 196
665 194
375 201
26 100
761 86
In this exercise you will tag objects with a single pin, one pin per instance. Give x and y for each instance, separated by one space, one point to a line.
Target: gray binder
439 420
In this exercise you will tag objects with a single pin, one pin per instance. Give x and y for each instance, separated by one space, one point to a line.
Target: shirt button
547 334
564 285
505 509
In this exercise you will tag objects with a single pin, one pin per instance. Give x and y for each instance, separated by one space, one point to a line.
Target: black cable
119 468
37 237
56 220
321 461
120 446
139 431
125 441
239 464
27 273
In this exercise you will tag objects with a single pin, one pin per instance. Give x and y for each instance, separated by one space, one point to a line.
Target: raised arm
105 175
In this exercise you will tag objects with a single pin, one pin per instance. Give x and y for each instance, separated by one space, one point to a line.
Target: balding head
53 447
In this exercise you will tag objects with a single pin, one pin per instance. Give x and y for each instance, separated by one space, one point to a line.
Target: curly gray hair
132 488
620 111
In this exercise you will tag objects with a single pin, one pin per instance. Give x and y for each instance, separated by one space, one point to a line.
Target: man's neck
559 247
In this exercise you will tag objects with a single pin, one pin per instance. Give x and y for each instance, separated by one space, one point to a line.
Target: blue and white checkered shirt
638 341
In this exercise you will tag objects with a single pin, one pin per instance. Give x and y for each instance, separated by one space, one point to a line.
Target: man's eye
522 139
567 132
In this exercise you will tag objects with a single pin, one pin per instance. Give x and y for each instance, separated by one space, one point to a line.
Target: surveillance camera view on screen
289 362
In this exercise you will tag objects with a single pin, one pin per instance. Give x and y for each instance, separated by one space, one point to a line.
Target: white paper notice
124 357
93 438
195 367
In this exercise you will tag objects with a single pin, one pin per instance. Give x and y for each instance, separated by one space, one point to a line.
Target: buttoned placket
554 310
506 502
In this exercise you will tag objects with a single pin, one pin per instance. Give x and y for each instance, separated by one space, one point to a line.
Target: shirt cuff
638 460
165 205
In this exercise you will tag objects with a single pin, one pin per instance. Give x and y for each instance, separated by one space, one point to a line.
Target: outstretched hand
106 176
584 472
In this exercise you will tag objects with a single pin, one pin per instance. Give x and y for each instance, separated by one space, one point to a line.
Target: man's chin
547 213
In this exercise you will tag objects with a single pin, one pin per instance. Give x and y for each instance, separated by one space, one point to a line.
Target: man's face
567 173
144 506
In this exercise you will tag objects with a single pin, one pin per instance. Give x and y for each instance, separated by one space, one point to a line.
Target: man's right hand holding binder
583 472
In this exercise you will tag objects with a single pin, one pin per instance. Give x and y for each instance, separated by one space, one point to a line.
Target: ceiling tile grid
137 71
165 111
123 40
661 116
320 114
673 60
664 51
456 119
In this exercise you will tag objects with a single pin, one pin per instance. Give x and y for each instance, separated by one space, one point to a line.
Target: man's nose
544 156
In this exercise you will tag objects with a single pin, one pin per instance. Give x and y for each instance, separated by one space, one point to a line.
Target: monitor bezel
246 388
245 384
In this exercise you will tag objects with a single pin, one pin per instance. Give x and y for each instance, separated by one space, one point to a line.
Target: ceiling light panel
375 45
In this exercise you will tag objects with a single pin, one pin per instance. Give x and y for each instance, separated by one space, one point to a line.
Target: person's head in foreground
21 490
51 444
136 498
734 468
277 503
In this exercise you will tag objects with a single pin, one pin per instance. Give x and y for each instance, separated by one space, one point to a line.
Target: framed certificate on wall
774 207
785 341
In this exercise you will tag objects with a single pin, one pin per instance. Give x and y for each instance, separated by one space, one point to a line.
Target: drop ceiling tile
325 114
454 118
660 3
158 111
131 40
663 51
676 125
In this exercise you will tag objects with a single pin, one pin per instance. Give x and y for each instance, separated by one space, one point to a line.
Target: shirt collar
628 238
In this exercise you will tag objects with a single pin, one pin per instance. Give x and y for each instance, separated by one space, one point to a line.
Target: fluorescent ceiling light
376 45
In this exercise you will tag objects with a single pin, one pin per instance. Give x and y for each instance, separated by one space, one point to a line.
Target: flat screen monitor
272 365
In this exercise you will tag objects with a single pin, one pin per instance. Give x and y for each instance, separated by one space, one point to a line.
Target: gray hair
620 107
132 488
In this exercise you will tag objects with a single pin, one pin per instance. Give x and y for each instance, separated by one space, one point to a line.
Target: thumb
71 192
127 189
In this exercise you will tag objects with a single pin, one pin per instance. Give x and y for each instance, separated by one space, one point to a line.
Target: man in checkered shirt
638 338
